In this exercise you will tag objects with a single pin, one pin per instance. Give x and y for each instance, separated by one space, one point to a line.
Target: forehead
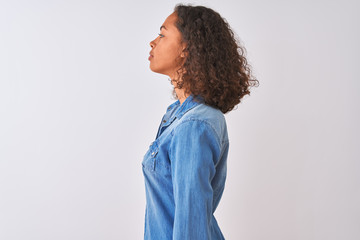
170 21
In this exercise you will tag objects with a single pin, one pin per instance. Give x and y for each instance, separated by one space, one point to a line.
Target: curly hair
215 67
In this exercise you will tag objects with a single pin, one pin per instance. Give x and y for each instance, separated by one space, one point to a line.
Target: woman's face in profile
166 55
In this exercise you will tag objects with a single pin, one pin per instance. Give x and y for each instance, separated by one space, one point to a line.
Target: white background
79 107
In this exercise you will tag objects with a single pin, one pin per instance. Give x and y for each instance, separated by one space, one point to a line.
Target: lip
151 56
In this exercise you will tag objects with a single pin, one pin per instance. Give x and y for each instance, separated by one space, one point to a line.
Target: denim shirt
185 171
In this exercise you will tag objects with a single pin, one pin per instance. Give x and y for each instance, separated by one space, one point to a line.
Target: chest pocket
149 160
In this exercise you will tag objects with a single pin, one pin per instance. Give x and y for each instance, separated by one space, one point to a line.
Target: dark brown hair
215 67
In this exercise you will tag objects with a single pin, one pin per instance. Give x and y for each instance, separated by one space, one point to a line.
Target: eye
160 35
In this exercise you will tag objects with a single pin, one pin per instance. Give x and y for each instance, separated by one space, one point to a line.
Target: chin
152 68
156 70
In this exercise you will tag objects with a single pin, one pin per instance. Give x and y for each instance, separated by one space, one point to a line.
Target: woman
185 167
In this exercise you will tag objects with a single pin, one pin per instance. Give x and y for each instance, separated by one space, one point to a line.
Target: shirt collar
189 103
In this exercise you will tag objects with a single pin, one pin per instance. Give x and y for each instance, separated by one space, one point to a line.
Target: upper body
185 167
185 171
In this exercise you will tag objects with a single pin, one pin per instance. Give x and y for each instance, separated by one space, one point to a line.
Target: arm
194 152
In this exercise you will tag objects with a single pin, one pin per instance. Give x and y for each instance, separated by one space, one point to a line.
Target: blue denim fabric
185 171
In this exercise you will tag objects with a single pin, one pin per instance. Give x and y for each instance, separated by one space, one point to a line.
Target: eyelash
160 35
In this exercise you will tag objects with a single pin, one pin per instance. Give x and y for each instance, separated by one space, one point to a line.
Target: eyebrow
163 27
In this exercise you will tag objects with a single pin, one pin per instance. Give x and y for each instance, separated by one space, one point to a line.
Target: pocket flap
149 158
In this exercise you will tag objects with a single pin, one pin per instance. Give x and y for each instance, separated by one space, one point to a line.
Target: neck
180 93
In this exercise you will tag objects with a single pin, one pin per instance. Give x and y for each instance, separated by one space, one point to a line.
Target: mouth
151 56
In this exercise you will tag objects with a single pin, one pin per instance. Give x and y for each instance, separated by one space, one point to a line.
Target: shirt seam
219 141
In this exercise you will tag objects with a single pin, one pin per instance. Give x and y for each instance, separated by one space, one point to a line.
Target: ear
184 53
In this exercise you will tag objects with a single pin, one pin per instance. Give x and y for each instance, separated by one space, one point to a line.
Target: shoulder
206 118
205 113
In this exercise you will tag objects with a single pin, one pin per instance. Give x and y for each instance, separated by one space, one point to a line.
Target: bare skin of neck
180 92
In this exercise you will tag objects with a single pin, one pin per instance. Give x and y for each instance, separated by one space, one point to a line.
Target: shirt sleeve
194 152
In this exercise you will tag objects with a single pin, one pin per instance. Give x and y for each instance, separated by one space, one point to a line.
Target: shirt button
164 121
152 153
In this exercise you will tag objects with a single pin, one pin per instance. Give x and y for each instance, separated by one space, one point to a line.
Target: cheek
169 52
168 56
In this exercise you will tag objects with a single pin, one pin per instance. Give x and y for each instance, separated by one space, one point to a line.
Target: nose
152 44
